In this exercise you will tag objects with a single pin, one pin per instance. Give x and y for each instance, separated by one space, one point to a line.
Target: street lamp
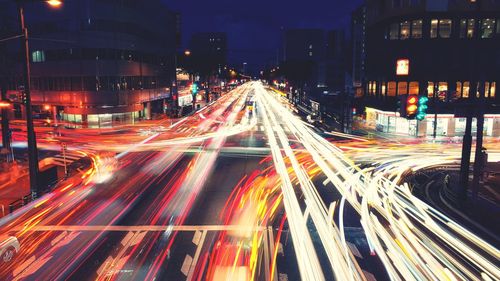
32 147
4 104
54 3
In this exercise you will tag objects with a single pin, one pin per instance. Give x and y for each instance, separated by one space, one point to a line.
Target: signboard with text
402 67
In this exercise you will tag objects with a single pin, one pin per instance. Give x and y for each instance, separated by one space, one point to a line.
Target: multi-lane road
217 195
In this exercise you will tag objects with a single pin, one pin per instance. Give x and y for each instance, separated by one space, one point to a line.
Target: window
391 89
394 31
458 91
445 28
442 91
372 88
413 88
38 56
402 88
493 89
465 91
434 28
487 28
416 29
405 30
467 27
486 89
430 89
463 28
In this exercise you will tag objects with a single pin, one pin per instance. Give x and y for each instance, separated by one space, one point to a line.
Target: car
9 248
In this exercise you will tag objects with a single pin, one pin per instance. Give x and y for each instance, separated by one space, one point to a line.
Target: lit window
38 56
391 89
405 30
486 89
458 91
413 88
445 28
465 91
402 88
493 89
310 47
443 90
471 26
467 27
394 31
487 28
434 28
416 29
372 87
430 89
310 54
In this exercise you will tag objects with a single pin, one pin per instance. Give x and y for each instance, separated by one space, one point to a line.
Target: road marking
196 256
186 265
196 237
354 250
140 228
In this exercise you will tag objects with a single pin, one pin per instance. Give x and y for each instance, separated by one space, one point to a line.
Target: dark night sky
254 27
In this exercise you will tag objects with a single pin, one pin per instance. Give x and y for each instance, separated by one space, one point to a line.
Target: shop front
447 125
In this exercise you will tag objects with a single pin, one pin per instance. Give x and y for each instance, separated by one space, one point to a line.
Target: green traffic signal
422 107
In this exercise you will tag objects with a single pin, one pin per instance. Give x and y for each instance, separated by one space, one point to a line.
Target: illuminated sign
402 67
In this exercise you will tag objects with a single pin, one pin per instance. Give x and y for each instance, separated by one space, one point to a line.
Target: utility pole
32 147
175 89
436 89
464 165
6 138
467 145
478 157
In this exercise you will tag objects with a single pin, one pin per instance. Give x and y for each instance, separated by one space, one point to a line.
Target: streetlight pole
5 106
175 91
32 147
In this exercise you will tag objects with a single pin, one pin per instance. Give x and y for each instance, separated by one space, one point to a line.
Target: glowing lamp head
412 100
411 108
4 104
54 3
187 52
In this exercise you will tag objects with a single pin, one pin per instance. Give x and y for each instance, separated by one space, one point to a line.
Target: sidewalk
14 184
481 216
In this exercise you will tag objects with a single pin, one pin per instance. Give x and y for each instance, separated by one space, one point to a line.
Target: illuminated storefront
447 124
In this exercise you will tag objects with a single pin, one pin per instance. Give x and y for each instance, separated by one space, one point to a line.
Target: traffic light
194 89
401 106
411 106
422 107
24 98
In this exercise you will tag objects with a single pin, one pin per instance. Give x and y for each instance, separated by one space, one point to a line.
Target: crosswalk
67 159
262 129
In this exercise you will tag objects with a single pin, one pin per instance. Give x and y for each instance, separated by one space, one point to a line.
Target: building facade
208 51
446 50
96 62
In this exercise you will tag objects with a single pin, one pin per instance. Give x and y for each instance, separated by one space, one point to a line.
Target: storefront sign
402 67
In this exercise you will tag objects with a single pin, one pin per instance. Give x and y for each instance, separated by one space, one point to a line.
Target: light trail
429 249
